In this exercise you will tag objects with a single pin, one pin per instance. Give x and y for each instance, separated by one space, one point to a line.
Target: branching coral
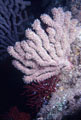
13 19
46 51
67 98
38 93
75 7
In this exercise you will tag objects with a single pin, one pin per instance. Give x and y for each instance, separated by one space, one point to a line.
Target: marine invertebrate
13 19
75 7
45 52
39 93
67 98
65 101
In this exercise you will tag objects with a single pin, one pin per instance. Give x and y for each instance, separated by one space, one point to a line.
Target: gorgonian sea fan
13 19
46 51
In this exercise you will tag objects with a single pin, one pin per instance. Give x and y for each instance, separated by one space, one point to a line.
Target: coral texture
38 93
67 98
46 51
13 19
75 7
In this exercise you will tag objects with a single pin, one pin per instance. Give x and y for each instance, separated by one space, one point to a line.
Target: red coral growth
39 93
14 114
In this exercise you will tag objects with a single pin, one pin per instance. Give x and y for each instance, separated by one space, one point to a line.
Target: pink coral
45 52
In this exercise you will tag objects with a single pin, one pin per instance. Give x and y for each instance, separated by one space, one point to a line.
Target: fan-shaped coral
46 52
13 19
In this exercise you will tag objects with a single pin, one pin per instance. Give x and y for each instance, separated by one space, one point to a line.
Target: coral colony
46 52
13 19
44 55
38 93
67 98
75 7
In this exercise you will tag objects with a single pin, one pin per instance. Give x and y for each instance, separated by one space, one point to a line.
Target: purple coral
13 19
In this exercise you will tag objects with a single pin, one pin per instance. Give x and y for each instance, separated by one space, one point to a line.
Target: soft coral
38 93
